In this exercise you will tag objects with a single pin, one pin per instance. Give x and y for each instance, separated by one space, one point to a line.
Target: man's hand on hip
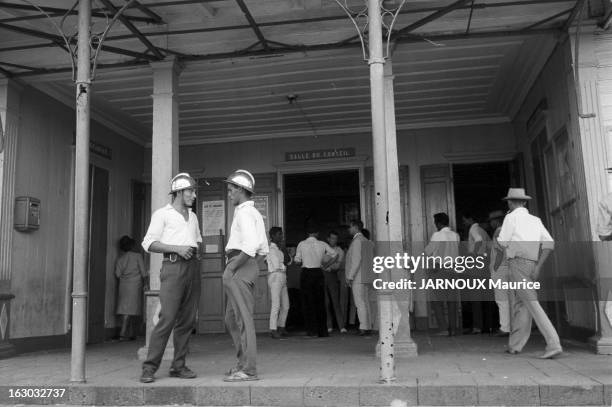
185 252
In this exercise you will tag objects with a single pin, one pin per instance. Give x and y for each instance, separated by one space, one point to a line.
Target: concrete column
165 149
10 100
403 344
592 121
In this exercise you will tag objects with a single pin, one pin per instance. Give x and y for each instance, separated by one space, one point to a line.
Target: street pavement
338 371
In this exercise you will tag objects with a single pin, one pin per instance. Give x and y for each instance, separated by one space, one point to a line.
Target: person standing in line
444 243
499 271
478 242
311 253
247 240
132 275
527 244
174 231
332 293
356 269
277 281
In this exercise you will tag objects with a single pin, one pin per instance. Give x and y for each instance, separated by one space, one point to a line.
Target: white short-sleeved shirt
248 231
310 252
522 234
168 226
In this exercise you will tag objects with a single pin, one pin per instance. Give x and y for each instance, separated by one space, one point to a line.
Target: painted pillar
10 99
165 150
81 196
403 344
591 120
381 198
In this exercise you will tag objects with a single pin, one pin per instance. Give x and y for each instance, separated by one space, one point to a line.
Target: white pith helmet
182 181
242 179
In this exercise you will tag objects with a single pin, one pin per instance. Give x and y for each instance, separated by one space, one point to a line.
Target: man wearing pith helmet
247 241
174 231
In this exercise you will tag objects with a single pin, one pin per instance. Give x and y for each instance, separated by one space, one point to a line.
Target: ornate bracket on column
69 36
389 10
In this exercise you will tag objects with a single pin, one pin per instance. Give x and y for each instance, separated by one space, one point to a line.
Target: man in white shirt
478 244
527 244
604 221
358 264
444 243
498 267
311 254
332 292
174 231
246 242
277 281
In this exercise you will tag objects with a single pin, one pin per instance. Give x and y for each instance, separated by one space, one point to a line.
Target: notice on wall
261 204
213 218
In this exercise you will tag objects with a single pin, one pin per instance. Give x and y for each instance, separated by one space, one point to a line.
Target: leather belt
232 253
174 257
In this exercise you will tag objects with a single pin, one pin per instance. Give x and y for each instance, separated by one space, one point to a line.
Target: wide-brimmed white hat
517 194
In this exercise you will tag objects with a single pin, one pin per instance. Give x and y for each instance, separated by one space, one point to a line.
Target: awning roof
471 64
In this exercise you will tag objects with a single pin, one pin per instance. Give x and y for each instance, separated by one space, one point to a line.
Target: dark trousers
312 283
179 296
240 292
443 324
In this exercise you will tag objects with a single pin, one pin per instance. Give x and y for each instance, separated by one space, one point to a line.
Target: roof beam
572 16
59 41
133 29
6 73
146 10
56 12
253 24
434 16
169 3
551 18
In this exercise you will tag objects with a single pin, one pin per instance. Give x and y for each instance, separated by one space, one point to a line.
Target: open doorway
329 200
478 190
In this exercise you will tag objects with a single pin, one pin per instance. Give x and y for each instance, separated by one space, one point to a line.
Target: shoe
343 331
124 339
442 333
511 351
147 376
274 334
551 354
232 371
501 334
183 373
329 330
364 332
476 331
283 332
240 376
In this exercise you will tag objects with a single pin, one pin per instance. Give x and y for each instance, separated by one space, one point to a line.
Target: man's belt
174 257
232 253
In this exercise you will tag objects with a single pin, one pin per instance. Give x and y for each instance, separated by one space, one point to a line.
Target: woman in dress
130 271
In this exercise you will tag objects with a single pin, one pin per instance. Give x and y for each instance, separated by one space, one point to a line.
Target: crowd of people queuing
517 247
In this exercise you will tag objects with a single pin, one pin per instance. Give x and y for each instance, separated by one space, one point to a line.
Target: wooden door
437 196
212 203
98 213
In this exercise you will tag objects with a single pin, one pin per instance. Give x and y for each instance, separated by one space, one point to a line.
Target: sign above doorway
320 154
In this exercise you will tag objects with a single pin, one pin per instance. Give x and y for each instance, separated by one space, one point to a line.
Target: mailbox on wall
27 213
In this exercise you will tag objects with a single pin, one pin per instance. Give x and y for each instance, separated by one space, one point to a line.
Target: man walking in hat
522 236
247 241
174 231
499 271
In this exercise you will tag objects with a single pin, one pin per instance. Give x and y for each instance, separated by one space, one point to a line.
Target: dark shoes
275 334
283 332
501 334
363 332
183 373
147 376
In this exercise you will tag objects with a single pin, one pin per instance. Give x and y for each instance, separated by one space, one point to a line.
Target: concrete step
320 393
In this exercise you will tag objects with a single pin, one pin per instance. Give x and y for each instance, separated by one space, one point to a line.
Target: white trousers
362 303
503 297
279 297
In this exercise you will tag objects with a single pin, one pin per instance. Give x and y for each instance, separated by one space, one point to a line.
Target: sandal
240 376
